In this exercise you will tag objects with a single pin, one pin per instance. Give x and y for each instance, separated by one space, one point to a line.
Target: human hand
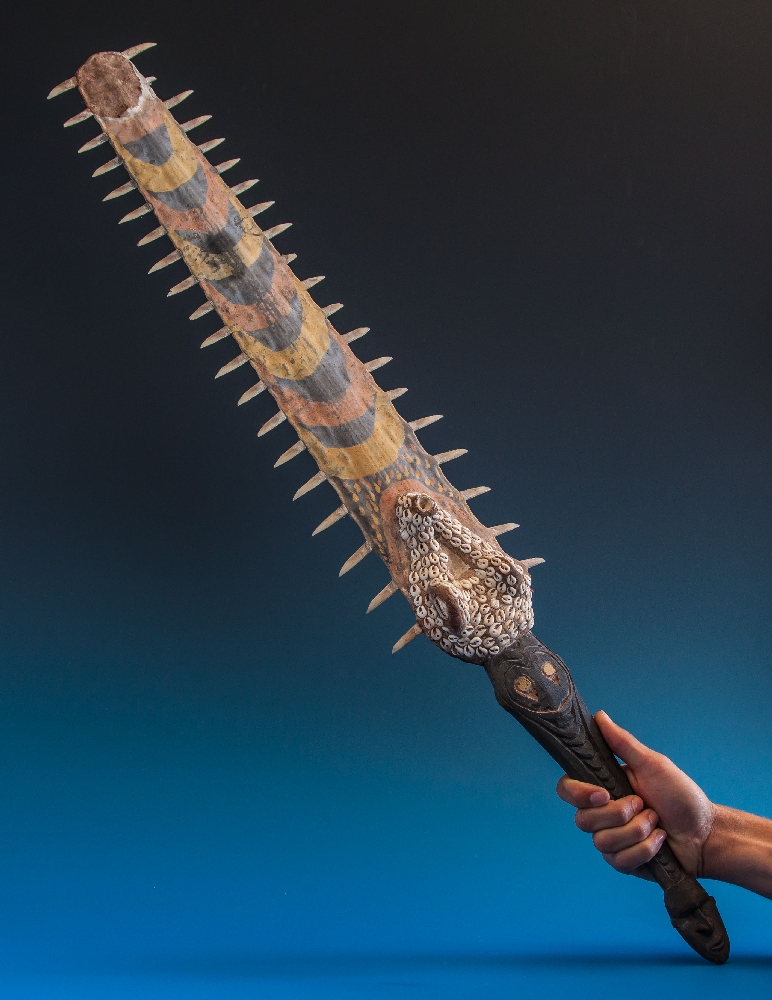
667 804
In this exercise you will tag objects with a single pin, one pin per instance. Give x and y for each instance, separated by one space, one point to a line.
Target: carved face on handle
468 596
695 916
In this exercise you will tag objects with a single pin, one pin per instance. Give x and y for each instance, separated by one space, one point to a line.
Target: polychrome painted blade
468 595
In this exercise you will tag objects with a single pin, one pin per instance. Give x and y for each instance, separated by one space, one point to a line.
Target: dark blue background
556 218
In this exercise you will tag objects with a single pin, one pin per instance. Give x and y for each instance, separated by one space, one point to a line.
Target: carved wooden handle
536 687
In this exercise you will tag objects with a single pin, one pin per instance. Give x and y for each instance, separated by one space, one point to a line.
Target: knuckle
582 820
641 853
651 846
616 863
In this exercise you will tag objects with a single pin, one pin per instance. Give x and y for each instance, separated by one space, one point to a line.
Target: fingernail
599 798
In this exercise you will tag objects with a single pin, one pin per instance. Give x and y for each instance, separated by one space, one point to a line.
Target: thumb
624 744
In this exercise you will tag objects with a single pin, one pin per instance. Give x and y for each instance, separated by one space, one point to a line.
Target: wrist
719 844
739 850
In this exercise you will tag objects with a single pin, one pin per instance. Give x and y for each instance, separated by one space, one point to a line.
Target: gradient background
215 778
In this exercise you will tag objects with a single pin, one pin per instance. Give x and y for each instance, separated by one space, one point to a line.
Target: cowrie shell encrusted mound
468 597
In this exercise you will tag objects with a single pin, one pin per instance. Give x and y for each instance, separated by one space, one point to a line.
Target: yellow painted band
376 453
302 357
178 169
213 267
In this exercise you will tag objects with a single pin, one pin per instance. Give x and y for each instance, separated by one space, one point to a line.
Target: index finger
581 794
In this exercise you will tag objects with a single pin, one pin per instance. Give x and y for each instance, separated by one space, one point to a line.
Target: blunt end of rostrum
110 84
